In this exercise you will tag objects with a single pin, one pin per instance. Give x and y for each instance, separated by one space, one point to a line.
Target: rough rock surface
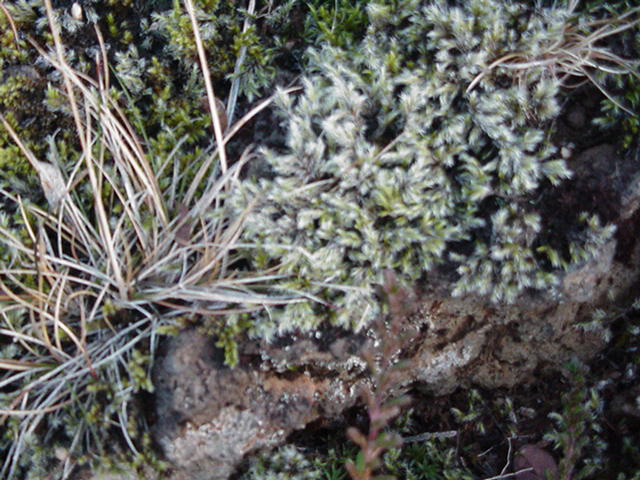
210 416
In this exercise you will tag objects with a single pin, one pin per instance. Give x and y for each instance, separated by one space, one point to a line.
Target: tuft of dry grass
138 251
576 54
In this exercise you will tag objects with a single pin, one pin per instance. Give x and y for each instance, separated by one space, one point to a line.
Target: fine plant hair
128 245
417 150
382 402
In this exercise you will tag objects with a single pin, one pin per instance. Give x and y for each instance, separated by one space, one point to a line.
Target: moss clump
234 49
342 24
286 463
390 163
415 151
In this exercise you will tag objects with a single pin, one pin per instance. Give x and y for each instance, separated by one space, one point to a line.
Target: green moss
410 153
228 335
223 36
16 93
615 119
341 23
286 463
577 430
389 163
427 459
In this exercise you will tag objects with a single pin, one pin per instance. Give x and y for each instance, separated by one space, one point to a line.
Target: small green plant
474 414
577 433
382 406
340 24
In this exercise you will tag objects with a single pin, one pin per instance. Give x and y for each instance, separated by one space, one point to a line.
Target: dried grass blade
16 38
21 365
217 127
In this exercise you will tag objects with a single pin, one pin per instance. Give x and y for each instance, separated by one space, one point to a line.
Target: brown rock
541 463
210 416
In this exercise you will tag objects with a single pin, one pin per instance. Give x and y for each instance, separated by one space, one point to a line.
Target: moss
342 24
577 431
224 38
410 153
621 112
286 463
347 197
433 458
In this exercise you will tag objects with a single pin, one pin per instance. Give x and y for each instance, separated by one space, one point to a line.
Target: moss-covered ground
83 306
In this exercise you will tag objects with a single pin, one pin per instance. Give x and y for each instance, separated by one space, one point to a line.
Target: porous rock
211 416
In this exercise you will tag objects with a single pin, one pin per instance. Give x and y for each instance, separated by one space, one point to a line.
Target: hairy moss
411 152
286 463
390 163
